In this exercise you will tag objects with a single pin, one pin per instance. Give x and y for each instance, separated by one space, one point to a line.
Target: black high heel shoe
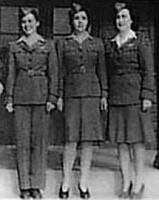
126 194
139 194
156 162
84 194
36 193
24 194
63 194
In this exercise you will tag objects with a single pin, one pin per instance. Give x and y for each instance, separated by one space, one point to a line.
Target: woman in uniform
31 93
83 93
131 85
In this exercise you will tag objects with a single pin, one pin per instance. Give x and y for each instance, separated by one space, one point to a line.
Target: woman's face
123 20
29 24
80 21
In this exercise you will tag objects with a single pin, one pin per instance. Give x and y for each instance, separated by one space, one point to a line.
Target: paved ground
104 178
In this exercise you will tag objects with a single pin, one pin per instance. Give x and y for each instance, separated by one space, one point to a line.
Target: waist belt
127 71
32 72
78 70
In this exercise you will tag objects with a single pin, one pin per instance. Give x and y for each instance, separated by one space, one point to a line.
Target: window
61 25
9 24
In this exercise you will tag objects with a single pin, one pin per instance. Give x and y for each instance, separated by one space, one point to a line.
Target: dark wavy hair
25 11
120 5
76 7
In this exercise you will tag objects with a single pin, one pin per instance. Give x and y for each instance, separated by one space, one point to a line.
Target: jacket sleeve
2 73
61 73
101 69
147 69
11 75
52 74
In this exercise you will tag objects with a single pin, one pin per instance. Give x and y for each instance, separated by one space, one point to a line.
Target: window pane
61 21
5 39
9 19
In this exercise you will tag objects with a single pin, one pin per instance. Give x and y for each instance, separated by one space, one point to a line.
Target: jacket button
80 48
83 69
30 60
30 72
118 58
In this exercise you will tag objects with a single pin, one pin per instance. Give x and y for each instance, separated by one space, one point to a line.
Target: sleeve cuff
104 93
9 99
52 99
147 94
60 93
1 83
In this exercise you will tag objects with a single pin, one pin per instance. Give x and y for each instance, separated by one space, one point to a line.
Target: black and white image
79 99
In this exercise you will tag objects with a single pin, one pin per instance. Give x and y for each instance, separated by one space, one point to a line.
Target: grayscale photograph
79 99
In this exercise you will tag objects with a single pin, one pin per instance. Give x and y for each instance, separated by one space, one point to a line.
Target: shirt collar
130 35
23 39
73 36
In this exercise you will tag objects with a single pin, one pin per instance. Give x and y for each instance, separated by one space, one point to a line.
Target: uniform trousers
31 126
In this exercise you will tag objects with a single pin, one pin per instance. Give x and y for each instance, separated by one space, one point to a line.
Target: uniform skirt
83 120
128 124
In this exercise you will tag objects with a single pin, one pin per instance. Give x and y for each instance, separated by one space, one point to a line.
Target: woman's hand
60 104
104 104
49 106
9 107
1 88
146 104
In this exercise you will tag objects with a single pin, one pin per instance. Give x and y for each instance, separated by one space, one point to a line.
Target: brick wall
54 23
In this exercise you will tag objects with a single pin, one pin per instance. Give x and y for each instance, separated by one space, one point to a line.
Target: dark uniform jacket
82 68
32 74
2 73
130 71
